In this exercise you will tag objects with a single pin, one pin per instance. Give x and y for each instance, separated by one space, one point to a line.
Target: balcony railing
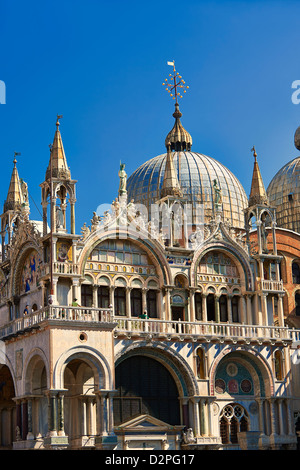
198 330
271 286
161 329
60 268
57 313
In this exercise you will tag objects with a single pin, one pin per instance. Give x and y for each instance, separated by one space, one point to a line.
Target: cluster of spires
15 197
178 139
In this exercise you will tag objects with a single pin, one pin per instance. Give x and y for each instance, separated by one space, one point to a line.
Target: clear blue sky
102 63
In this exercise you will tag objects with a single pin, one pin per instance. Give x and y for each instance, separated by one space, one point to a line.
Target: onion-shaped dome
284 192
178 138
196 174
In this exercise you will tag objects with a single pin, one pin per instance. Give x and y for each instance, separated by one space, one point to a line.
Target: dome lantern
297 138
178 139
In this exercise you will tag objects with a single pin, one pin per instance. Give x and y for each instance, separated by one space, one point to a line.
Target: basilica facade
169 322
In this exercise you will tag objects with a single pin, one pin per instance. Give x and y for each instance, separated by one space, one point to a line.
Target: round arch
24 253
97 362
36 371
234 254
151 247
177 366
251 359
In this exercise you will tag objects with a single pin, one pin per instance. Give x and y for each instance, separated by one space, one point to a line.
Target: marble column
128 301
229 308
204 307
192 305
280 310
217 308
195 401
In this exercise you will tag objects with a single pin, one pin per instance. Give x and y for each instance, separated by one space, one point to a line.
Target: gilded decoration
63 251
31 272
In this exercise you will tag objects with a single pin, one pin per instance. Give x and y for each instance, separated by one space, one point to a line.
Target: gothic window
136 302
233 419
235 308
198 306
223 308
278 365
200 363
103 297
86 295
119 251
152 303
210 301
296 273
218 264
120 301
297 303
180 281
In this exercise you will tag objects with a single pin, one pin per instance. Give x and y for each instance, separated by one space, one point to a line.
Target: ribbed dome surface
196 174
284 194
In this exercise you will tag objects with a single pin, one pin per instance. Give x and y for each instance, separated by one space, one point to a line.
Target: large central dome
181 172
196 174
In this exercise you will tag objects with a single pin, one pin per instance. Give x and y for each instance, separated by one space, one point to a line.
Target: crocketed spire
258 193
14 198
60 168
170 186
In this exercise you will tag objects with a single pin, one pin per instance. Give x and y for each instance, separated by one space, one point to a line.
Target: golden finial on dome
178 138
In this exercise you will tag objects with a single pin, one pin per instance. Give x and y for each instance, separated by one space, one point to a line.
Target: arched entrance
145 386
80 403
7 409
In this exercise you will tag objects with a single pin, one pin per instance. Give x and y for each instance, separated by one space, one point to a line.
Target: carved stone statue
85 231
95 221
123 179
59 218
218 193
188 436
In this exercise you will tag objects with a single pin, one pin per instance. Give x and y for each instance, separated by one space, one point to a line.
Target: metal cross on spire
178 84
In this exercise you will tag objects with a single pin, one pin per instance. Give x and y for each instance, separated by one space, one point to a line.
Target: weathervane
178 82
254 152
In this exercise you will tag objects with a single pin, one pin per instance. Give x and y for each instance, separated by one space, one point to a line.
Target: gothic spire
170 186
58 159
14 198
258 193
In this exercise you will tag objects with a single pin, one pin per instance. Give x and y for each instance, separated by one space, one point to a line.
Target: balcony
200 331
271 286
53 314
151 328
60 268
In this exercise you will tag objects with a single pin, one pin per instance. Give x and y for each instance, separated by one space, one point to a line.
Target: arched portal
80 400
145 386
7 409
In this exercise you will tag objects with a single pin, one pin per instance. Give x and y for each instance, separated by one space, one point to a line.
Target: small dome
284 195
178 138
196 174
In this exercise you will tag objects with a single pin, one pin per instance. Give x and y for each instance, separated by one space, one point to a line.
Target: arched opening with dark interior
145 386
